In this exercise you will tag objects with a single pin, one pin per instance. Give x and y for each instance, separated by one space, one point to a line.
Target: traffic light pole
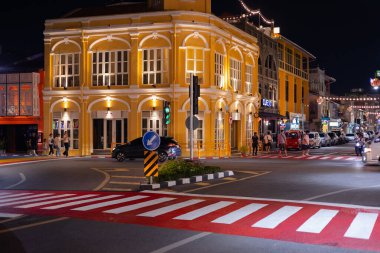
191 116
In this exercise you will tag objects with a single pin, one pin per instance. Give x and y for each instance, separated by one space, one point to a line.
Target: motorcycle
359 148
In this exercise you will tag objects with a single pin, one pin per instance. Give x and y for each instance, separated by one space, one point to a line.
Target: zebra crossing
311 157
346 226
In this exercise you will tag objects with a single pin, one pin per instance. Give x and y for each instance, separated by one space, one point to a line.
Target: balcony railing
292 69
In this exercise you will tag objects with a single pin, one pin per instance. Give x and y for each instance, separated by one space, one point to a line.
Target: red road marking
333 232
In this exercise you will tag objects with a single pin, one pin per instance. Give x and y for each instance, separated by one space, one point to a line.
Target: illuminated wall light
108 98
154 101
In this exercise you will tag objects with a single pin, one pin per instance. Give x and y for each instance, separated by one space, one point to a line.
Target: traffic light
196 94
166 113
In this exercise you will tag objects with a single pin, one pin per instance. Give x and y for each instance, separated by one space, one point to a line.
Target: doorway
108 131
234 134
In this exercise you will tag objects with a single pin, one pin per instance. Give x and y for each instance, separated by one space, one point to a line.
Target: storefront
296 121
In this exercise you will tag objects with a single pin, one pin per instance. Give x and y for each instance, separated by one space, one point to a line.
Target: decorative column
84 127
48 59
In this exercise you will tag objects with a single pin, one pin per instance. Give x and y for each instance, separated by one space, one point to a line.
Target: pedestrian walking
33 143
268 141
281 140
57 145
305 143
255 144
51 144
66 143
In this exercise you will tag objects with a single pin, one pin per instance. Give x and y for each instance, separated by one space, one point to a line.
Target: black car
168 149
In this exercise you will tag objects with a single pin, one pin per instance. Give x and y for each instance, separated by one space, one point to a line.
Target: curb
183 181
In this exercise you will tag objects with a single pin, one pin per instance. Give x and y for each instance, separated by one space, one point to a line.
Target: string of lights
365 106
351 99
249 13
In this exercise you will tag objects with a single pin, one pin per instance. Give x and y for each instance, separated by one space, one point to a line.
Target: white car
350 137
315 140
371 153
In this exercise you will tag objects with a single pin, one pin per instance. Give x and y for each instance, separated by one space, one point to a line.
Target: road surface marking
171 208
299 157
7 230
35 200
202 184
204 210
23 179
109 203
117 189
10 215
128 208
274 219
118 182
104 182
338 158
324 158
352 158
25 197
317 222
312 157
56 201
137 177
82 202
229 178
362 226
239 214
4 193
181 243
15 195
340 191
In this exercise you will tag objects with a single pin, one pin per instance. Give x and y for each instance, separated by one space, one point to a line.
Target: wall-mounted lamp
65 109
154 108
250 113
154 101
220 109
109 86
236 110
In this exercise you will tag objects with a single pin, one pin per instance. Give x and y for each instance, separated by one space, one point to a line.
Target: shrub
176 169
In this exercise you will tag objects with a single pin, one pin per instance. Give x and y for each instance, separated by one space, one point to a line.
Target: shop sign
266 102
334 124
295 123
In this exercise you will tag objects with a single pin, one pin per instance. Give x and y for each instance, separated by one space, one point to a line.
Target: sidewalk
14 158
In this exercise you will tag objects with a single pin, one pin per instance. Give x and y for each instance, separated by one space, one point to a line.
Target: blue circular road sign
151 140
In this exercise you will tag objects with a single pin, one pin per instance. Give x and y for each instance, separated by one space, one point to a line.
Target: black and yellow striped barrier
150 163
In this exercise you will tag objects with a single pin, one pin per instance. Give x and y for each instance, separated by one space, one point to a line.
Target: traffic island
189 180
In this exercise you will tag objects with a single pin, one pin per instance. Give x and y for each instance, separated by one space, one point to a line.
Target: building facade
108 75
21 114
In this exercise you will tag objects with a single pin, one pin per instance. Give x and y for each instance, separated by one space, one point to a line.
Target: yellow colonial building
108 74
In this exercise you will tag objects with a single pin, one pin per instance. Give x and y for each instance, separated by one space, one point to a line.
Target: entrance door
152 121
234 134
108 131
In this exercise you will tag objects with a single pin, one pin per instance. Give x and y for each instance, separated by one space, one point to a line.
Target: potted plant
244 151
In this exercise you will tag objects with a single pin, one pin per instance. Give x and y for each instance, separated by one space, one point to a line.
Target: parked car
334 138
371 153
168 149
315 140
341 137
293 139
325 139
350 137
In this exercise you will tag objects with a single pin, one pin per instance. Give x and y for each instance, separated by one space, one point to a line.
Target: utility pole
191 93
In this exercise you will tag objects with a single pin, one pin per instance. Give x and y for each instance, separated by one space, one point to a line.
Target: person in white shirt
268 141
281 140
305 143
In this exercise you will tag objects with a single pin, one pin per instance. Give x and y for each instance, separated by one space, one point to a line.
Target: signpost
151 141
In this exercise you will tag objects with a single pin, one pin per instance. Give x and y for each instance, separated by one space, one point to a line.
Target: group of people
54 143
281 141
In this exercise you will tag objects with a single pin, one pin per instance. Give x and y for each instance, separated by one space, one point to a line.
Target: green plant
176 169
243 149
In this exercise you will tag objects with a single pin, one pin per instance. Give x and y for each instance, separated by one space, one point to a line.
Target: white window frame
114 71
154 116
155 65
63 71
235 74
219 70
220 133
191 63
248 78
64 118
198 133
249 128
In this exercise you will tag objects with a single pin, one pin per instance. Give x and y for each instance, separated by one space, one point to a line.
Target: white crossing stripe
289 156
313 157
171 208
82 202
362 226
338 158
10 215
351 158
239 214
128 208
274 219
56 201
25 197
317 222
35 200
109 203
299 157
4 193
15 195
264 156
204 210
324 158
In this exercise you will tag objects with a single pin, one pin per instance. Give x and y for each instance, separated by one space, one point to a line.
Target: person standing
66 144
57 144
51 144
255 144
268 142
305 143
33 143
281 139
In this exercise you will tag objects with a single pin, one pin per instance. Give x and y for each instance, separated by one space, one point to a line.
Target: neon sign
266 102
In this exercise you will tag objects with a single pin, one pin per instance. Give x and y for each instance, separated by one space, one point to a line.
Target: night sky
343 35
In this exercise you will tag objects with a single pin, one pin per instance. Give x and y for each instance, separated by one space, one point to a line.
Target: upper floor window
110 68
155 66
298 61
66 70
280 52
286 89
219 70
194 63
295 93
248 79
235 74
289 56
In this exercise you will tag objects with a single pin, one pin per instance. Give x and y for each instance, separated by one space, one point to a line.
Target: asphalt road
315 180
